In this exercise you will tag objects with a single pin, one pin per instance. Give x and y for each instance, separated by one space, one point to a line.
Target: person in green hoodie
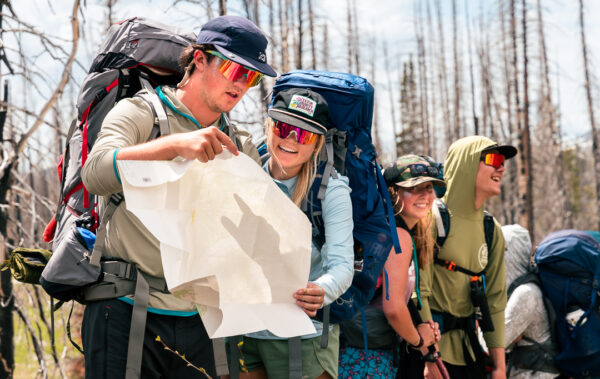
466 264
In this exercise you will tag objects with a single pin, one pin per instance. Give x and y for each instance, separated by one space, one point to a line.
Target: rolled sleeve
128 123
337 254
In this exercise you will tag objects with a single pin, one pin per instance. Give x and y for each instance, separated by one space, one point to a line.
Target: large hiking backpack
569 267
349 149
137 53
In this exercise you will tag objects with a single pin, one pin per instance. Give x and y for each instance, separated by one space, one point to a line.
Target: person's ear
200 60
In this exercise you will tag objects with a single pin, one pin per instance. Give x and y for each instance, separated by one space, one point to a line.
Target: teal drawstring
168 103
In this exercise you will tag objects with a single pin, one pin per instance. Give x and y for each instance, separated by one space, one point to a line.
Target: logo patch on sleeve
303 104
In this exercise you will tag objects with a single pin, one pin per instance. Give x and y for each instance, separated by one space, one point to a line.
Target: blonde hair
421 233
307 171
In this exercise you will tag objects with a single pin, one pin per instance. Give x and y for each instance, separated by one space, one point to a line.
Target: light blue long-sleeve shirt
332 267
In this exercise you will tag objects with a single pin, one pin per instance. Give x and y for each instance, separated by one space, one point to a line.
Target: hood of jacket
460 172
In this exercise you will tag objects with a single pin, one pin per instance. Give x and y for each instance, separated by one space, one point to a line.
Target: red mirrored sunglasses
495 160
303 137
233 71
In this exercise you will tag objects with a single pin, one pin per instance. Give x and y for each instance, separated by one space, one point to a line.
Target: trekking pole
438 361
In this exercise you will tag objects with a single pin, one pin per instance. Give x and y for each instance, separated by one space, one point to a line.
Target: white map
231 241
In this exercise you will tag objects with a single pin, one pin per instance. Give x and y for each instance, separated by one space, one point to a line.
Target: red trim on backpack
112 85
71 192
59 168
96 219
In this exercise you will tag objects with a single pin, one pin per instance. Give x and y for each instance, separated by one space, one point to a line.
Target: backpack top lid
351 111
141 41
576 248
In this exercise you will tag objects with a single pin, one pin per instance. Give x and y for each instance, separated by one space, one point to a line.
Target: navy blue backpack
569 269
349 149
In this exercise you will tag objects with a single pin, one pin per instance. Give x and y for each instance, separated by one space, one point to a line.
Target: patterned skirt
354 364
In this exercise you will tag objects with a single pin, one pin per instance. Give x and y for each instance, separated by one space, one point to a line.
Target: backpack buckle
359 265
450 265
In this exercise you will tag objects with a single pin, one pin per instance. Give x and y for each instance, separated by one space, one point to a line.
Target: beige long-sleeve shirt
130 123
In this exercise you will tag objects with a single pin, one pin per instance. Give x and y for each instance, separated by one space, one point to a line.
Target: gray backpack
137 54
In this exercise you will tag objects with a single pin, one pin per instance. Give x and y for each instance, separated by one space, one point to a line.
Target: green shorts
272 355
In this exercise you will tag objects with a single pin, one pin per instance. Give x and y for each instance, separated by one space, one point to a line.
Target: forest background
519 71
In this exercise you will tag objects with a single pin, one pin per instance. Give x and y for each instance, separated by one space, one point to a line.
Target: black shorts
105 334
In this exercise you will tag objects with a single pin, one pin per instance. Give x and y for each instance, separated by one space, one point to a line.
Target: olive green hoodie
449 291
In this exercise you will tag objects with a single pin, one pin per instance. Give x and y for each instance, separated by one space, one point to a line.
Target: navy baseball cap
239 40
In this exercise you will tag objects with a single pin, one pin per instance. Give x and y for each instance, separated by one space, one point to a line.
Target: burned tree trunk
299 50
325 51
526 175
473 106
588 91
311 21
457 76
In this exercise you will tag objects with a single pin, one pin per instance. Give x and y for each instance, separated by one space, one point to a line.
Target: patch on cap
303 104
262 57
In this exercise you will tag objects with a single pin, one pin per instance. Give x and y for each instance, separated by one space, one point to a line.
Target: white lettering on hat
303 104
262 57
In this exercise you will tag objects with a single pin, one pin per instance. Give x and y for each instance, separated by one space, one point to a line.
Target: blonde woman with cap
295 135
410 182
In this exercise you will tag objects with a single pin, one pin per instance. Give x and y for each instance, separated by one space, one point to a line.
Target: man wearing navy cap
228 58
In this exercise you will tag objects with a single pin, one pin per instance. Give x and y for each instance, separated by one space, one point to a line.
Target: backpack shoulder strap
328 171
160 127
442 221
152 99
488 227
529 277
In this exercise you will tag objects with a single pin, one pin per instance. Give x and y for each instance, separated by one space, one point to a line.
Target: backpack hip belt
449 322
119 279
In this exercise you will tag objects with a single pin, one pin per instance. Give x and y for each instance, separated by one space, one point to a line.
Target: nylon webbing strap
325 335
328 167
137 328
389 209
234 354
295 357
220 356
163 123
68 327
451 266
113 203
119 279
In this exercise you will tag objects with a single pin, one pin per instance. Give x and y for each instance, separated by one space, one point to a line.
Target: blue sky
388 20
